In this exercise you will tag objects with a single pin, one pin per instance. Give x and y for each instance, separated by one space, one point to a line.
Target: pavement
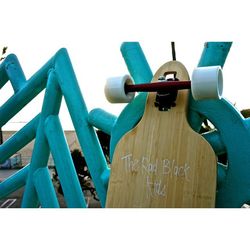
14 200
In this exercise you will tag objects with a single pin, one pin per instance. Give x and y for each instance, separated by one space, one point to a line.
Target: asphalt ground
14 200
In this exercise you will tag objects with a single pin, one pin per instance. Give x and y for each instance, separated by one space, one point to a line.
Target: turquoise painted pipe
140 71
102 120
41 151
12 70
45 189
234 191
14 182
86 134
214 139
19 139
136 62
27 93
87 137
3 75
88 140
71 187
214 53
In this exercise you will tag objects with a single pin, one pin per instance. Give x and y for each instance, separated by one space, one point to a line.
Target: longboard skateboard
162 162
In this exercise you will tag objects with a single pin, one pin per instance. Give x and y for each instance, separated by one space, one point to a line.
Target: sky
93 31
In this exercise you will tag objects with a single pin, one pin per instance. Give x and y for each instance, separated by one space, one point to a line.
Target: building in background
23 157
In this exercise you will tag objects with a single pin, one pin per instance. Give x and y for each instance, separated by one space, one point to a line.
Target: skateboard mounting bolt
161 79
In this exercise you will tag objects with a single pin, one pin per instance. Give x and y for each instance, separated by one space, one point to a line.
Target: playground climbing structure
57 77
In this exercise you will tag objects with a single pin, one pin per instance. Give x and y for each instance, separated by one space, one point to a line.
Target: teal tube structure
140 71
214 53
57 76
24 95
79 114
41 151
72 191
102 120
214 139
14 182
12 71
45 189
3 75
19 139
136 62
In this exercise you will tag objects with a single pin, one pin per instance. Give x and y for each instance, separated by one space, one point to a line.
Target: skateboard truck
207 83
164 100
166 90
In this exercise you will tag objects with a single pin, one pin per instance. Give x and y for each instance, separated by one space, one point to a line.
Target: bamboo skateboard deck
162 162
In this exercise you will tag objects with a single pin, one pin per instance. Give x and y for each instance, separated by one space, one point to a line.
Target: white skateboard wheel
207 83
115 89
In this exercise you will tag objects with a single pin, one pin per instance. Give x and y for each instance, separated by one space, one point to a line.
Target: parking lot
14 200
